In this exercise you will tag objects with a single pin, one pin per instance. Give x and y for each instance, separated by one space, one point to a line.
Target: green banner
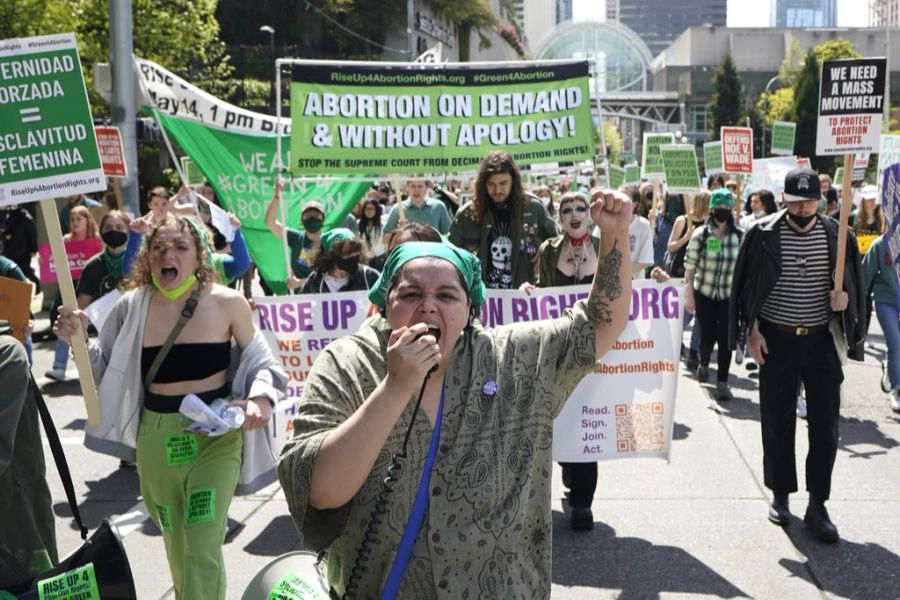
633 174
712 158
616 176
783 134
237 155
47 143
651 158
371 118
682 172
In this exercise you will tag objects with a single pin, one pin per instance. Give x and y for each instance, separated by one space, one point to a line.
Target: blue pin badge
490 387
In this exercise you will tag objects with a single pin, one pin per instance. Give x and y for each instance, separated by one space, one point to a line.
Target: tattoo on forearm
607 287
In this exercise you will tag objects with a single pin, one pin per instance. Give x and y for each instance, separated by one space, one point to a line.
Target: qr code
639 427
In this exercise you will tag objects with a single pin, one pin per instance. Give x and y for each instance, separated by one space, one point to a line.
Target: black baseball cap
801 185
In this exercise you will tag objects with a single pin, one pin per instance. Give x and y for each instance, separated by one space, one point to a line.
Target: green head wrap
336 235
200 230
465 262
721 197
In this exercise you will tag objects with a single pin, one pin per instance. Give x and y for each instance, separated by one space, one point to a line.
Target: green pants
187 481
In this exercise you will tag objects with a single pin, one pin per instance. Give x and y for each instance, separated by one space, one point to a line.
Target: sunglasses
568 210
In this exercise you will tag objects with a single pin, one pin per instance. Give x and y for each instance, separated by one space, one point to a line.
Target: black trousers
582 483
813 360
713 318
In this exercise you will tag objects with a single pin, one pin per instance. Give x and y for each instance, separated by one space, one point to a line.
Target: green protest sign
712 158
783 135
651 158
365 118
680 162
838 177
192 173
47 143
235 151
616 176
633 173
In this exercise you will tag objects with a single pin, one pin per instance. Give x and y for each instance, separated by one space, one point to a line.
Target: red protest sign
737 149
78 253
112 154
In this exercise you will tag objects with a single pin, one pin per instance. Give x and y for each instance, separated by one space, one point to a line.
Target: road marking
132 520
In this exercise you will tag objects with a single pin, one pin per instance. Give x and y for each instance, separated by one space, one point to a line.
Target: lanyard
395 576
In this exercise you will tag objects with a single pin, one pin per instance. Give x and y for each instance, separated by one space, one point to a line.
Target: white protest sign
298 328
220 220
98 310
851 102
769 173
888 154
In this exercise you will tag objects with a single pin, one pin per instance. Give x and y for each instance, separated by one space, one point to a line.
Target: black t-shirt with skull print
499 270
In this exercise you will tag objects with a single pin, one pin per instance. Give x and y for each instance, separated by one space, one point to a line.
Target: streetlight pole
766 113
271 32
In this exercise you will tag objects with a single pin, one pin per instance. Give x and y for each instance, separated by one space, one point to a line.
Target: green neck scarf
173 295
113 263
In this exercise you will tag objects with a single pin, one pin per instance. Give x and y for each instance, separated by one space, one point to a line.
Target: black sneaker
779 513
819 523
703 373
692 360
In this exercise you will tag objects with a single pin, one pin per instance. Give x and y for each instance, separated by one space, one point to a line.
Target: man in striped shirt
782 290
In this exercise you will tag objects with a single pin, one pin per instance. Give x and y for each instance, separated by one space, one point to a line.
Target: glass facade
622 59
804 13
697 118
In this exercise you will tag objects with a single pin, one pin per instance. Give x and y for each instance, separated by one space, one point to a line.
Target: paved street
695 527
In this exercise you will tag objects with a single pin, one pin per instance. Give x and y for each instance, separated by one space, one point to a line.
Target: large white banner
625 409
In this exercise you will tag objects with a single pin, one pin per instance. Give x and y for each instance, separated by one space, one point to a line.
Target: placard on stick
737 149
633 174
112 154
682 172
652 159
712 158
54 153
15 305
784 135
851 102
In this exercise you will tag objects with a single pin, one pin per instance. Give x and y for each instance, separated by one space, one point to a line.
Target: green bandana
173 295
336 235
113 263
721 197
465 262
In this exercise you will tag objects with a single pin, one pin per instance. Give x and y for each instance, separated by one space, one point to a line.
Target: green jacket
27 527
536 225
548 258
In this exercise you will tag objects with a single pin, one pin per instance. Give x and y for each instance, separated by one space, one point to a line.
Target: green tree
726 105
834 49
613 138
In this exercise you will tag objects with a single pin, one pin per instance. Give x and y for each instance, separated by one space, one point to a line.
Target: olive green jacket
536 225
548 258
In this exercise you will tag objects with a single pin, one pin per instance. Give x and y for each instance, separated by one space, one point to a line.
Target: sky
741 13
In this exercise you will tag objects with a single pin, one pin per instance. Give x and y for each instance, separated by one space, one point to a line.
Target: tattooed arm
610 295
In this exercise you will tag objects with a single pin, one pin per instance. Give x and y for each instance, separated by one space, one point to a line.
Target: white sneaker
739 354
56 374
895 403
801 407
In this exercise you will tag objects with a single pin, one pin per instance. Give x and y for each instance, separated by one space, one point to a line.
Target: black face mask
312 224
350 264
721 214
114 239
802 222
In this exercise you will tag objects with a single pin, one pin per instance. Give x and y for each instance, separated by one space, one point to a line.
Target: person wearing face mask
783 292
708 268
304 245
337 267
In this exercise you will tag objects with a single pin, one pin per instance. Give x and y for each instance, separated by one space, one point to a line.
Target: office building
804 13
660 22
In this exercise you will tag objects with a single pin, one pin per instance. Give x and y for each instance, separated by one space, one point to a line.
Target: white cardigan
116 363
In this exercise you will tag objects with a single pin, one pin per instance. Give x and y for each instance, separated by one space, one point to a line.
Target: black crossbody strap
59 456
186 314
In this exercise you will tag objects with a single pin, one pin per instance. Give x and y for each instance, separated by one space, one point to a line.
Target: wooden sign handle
67 289
846 205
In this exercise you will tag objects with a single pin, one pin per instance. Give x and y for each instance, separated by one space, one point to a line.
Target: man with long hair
501 225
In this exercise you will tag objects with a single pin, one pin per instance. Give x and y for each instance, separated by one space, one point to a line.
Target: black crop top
563 279
187 362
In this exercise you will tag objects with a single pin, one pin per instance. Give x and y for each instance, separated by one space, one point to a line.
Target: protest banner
888 154
851 97
680 163
784 135
48 148
616 176
712 158
15 305
860 165
737 149
838 177
78 252
112 154
803 163
235 149
633 174
890 205
851 100
298 328
769 173
651 159
370 117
